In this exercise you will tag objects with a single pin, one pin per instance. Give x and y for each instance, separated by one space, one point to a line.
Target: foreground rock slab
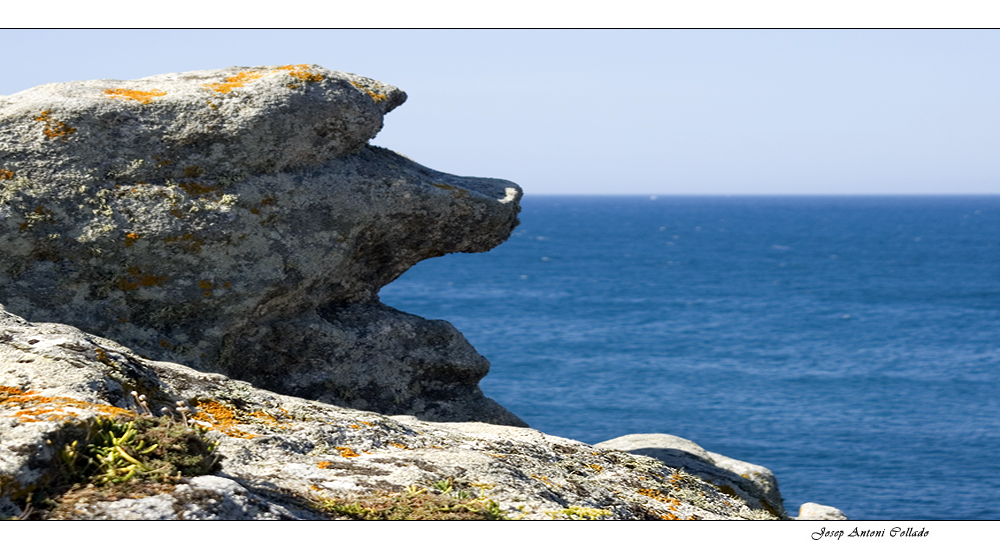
754 484
238 221
287 457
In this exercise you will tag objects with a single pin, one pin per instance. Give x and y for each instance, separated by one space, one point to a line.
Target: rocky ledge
237 222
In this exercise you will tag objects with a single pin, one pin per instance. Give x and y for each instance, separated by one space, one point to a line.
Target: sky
664 112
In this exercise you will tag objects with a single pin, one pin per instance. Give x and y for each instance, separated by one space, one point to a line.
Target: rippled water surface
851 345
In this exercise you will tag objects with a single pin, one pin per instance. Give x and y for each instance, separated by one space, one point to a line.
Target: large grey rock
237 221
284 457
753 483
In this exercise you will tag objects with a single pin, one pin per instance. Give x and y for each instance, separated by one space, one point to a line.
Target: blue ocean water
849 344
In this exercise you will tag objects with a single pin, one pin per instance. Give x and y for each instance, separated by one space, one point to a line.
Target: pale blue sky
629 111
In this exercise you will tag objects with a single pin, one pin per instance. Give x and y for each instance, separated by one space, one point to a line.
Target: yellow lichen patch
54 128
6 175
347 452
378 98
301 72
595 467
205 284
233 82
131 238
135 95
32 407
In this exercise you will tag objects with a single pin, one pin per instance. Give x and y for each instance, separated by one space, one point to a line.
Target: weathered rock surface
237 221
752 483
287 457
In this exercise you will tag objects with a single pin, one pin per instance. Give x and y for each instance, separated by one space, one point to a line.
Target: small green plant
441 501
578 513
443 486
151 448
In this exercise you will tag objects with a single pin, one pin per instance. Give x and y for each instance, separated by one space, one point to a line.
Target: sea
849 344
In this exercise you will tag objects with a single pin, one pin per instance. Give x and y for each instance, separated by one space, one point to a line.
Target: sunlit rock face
238 221
281 457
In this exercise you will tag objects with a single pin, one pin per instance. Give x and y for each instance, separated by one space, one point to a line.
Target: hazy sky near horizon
625 111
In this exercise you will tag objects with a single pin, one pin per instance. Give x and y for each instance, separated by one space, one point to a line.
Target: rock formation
237 221
287 457
752 483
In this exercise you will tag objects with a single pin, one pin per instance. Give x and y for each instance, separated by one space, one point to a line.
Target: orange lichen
222 418
138 276
323 465
543 479
6 175
135 95
53 128
225 418
131 238
205 284
32 407
125 284
152 280
397 445
375 96
672 502
355 426
595 467
347 452
233 82
300 72
265 417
